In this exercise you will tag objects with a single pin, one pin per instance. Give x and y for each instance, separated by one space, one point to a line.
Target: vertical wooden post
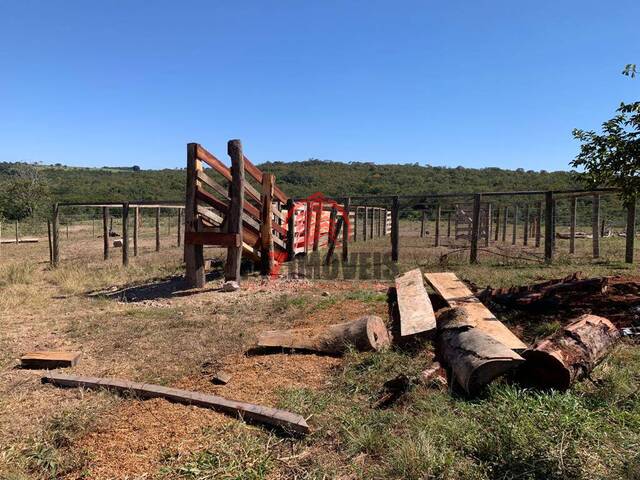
307 226
18 234
553 224
346 229
456 226
193 254
332 221
384 222
475 228
136 228
266 227
355 224
50 241
497 228
573 215
291 230
514 233
395 229
93 227
379 228
548 227
364 224
236 205
505 219
158 229
631 230
525 240
105 232
179 226
316 227
449 224
423 222
372 223
538 224
595 225
67 228
437 232
488 224
125 234
55 235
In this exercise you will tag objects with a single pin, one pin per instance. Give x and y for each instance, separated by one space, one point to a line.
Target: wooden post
449 224
331 243
105 232
422 223
18 234
266 227
515 225
548 227
193 254
379 227
505 218
93 227
67 228
497 229
372 223
332 221
631 230
488 224
50 241
525 240
179 226
158 229
355 224
437 232
125 234
395 229
236 205
595 225
316 227
55 234
384 222
346 229
475 228
307 226
136 228
291 230
364 224
573 215
538 224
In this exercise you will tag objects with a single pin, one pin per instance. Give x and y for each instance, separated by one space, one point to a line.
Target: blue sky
473 83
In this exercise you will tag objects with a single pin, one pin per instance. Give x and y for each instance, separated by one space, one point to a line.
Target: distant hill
299 179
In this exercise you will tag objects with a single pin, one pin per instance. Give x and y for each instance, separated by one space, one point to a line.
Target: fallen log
568 355
289 422
366 333
473 358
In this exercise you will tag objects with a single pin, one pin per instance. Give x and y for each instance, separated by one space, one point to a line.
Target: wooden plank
289 422
457 294
218 239
256 174
49 359
210 215
416 312
212 161
210 182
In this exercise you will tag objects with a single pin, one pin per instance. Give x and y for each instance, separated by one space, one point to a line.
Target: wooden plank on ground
288 421
416 312
48 359
457 294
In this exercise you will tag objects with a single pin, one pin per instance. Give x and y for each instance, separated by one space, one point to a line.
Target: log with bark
568 355
473 358
365 334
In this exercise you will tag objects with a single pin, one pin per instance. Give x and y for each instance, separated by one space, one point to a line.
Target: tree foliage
23 191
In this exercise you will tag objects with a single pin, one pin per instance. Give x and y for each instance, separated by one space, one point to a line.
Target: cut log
117 242
414 306
365 334
457 294
474 358
289 422
568 355
49 360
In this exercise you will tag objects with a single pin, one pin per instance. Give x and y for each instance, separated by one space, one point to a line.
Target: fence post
355 224
266 229
372 223
50 241
55 234
93 227
497 228
136 227
475 228
125 234
346 229
631 230
105 232
193 254
18 234
437 232
179 226
395 229
157 229
595 225
291 229
316 227
449 224
538 223
548 226
525 240
364 224
422 223
573 214
488 224
514 234
307 226
332 221
505 218
236 205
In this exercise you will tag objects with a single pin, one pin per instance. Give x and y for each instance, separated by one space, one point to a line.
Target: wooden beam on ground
631 231
234 217
49 359
475 228
289 422
414 306
458 295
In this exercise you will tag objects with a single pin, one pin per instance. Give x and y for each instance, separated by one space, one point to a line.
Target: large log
365 334
473 358
568 355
